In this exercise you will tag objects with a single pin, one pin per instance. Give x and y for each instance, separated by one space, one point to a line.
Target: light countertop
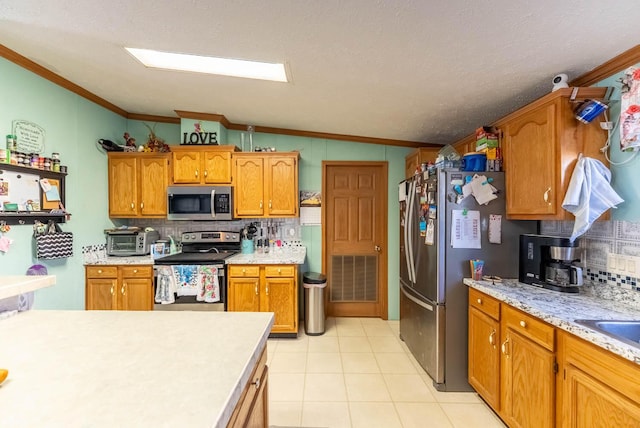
562 309
14 285
126 368
289 256
112 260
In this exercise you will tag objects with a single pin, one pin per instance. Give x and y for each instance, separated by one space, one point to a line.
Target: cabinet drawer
136 271
279 270
244 270
102 271
530 327
484 303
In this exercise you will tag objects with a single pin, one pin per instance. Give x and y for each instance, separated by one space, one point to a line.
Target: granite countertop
77 368
14 285
113 260
289 256
562 309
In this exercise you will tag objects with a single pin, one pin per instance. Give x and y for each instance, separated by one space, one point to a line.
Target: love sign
193 138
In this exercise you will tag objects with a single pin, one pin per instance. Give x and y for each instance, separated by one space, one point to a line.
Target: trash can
314 284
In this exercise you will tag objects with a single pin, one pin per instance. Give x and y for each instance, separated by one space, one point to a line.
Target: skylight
210 65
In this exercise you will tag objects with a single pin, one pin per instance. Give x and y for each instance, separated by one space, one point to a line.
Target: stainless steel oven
199 203
184 281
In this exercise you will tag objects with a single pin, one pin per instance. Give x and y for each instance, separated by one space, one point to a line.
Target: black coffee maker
549 262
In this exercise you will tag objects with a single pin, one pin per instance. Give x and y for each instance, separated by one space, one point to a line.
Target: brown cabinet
202 164
527 370
119 287
417 157
252 409
541 143
484 347
597 388
266 185
138 185
266 288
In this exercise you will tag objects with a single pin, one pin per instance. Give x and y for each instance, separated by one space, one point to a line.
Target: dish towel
187 280
209 287
589 194
166 289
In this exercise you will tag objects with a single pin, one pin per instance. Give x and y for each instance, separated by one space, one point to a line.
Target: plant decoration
129 141
155 143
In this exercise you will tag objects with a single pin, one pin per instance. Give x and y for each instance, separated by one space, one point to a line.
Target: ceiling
415 70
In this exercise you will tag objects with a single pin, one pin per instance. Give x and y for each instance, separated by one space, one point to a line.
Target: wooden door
530 156
217 167
187 167
528 383
484 356
249 197
281 182
244 295
154 179
280 297
101 294
123 179
354 214
136 294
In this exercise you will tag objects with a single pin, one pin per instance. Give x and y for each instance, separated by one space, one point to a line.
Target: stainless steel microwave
199 203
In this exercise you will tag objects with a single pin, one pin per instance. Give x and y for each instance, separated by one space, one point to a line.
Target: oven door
188 302
199 203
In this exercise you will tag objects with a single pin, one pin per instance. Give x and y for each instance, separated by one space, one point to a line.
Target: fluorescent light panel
210 65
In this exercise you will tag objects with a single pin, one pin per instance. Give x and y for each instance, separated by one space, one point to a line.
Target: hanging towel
209 287
589 194
166 287
187 280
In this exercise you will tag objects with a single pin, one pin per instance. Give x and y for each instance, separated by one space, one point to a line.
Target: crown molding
153 118
614 65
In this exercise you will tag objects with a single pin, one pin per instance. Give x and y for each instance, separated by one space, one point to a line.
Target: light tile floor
360 374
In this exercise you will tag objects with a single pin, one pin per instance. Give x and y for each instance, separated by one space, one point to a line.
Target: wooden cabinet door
154 179
243 295
527 383
136 294
282 186
258 412
530 156
484 356
411 163
217 167
249 197
280 297
187 167
123 179
101 294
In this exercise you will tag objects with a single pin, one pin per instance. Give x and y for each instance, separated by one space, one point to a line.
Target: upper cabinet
138 184
541 144
266 184
202 164
417 157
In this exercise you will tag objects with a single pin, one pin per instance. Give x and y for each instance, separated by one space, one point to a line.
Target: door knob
377 248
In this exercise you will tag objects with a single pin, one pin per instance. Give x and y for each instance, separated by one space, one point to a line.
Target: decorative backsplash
604 237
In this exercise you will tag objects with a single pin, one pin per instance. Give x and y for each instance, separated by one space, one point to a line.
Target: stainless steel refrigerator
433 299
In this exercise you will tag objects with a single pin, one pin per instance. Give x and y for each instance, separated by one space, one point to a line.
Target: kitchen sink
626 331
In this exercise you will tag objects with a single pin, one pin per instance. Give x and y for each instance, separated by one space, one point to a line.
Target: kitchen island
128 369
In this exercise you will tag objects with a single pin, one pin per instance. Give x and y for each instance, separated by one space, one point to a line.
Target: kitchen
87 165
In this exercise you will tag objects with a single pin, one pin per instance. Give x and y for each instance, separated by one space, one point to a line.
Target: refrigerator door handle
407 230
412 267
416 301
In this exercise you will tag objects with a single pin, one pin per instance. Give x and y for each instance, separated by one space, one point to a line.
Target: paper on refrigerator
465 229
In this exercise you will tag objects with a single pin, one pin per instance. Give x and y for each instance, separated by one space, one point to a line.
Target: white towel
166 287
209 286
589 194
187 279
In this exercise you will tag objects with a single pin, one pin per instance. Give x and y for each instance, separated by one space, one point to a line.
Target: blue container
474 162
247 246
589 110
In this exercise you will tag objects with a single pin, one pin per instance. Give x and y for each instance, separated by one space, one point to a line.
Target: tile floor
360 374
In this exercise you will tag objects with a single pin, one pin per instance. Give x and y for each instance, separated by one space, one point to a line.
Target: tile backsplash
604 237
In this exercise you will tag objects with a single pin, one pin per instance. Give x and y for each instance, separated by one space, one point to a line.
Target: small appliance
199 203
131 241
550 262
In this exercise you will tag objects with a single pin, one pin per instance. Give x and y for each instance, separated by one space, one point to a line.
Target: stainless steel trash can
314 284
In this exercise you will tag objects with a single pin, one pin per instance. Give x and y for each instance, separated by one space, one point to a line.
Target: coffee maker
549 262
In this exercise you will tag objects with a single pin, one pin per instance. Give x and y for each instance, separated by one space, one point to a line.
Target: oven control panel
210 237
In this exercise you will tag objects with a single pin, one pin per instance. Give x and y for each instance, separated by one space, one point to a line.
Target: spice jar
47 164
12 143
56 165
55 156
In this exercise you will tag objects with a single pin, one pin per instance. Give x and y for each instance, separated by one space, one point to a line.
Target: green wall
73 125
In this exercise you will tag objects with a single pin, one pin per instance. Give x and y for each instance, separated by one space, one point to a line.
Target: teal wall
626 177
73 125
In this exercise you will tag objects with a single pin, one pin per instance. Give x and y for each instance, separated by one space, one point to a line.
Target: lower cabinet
119 287
252 409
597 388
266 288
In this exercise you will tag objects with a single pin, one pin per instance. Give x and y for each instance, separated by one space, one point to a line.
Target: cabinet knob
135 271
266 290
256 289
123 289
546 195
523 324
141 205
492 340
99 270
279 270
504 347
205 173
196 173
256 383
244 270
260 203
112 290
132 206
269 203
479 301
